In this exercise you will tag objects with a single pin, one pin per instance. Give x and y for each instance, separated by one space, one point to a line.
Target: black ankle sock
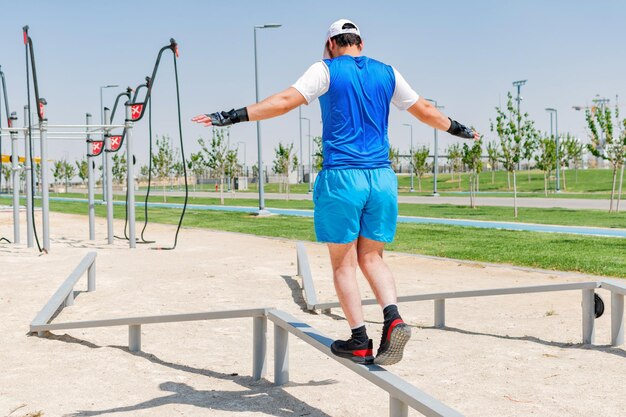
391 313
360 334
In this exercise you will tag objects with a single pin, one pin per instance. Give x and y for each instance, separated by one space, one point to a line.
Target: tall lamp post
104 170
310 152
436 161
556 137
519 85
262 209
410 154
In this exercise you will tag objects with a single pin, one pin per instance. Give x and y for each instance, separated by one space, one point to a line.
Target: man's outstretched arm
275 105
427 113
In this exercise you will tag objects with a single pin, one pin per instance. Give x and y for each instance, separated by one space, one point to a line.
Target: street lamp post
262 209
436 159
556 137
410 154
519 85
104 170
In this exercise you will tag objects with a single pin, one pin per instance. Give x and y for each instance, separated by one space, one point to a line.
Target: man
355 194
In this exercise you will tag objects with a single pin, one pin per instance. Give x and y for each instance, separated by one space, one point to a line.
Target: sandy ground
499 356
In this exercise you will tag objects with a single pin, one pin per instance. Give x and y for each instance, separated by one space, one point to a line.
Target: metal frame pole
90 184
310 158
45 196
108 178
15 177
558 162
27 185
300 179
130 178
261 173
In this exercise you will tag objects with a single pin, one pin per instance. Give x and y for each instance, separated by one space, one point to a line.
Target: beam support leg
281 355
259 348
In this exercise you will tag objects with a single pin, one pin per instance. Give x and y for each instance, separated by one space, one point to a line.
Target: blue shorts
355 202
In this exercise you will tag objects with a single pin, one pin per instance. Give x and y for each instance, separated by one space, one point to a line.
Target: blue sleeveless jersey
355 112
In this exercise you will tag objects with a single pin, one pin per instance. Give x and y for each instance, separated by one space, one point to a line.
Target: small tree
512 139
6 174
197 166
58 171
162 161
215 156
529 147
83 169
285 162
455 160
573 151
472 160
419 158
614 147
318 153
68 173
119 167
233 167
492 159
546 159
394 157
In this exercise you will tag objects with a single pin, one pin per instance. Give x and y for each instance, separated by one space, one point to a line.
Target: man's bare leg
343 258
378 274
359 347
395 333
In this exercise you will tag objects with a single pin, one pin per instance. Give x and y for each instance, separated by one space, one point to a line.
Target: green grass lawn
557 216
594 255
590 183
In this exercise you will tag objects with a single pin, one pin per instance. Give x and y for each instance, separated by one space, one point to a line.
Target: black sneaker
394 338
359 352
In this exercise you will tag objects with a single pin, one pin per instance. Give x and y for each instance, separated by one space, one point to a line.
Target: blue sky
464 54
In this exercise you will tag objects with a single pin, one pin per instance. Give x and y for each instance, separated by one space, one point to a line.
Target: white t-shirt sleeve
314 82
403 96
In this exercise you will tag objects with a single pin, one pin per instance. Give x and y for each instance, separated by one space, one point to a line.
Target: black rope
145 203
182 152
30 141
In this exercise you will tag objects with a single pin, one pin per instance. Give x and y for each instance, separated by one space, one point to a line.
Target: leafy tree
83 169
394 157
471 158
197 166
58 171
492 159
546 159
6 174
573 151
119 167
162 161
318 153
455 160
233 167
529 147
512 139
613 149
215 156
68 173
285 162
144 171
419 161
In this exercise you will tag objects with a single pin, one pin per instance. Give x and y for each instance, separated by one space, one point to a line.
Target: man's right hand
222 118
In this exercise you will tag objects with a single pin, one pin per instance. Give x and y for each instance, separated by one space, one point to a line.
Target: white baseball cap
338 28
